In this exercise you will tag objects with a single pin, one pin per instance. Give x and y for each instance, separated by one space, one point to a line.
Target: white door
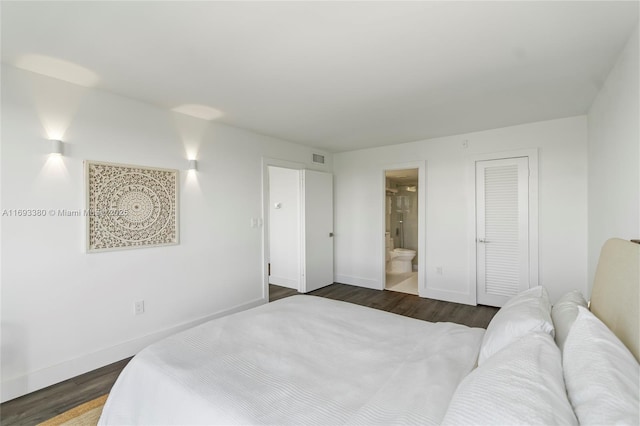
284 227
502 229
317 216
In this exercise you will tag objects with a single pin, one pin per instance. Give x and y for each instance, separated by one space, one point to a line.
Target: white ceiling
338 75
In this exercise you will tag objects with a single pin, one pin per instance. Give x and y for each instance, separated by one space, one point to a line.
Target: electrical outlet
439 270
139 307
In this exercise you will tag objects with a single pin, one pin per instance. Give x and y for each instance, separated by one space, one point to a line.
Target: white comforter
301 360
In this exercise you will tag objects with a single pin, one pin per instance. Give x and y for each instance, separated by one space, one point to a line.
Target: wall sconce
56 147
193 165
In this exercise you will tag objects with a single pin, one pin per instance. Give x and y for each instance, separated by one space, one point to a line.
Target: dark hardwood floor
400 303
46 403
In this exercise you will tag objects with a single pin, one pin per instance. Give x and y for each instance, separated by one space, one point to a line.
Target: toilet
401 260
398 260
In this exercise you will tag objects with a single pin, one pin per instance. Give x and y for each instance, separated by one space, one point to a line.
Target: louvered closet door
502 229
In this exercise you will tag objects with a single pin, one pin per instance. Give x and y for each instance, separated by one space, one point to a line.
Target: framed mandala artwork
130 206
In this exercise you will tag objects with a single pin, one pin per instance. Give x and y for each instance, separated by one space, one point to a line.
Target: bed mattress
299 360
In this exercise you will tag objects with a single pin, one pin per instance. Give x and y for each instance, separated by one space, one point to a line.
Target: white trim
266 162
285 282
450 296
532 154
302 248
35 380
359 281
422 225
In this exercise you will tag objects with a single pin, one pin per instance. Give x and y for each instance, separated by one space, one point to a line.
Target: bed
309 360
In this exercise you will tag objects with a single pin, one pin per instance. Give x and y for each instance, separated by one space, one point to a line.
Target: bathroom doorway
401 230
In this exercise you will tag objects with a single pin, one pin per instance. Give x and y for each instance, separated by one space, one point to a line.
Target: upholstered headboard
615 294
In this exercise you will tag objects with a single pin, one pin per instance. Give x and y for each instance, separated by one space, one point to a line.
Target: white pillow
527 311
601 374
574 296
521 384
564 314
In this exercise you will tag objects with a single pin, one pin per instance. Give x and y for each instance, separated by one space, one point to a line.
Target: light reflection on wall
57 88
191 131
54 169
191 181
56 104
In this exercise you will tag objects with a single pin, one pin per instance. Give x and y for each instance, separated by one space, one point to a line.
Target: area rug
86 414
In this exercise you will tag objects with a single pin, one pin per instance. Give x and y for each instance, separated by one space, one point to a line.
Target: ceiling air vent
317 158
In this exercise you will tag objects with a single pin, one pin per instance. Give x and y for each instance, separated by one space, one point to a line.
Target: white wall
614 156
284 227
359 200
65 312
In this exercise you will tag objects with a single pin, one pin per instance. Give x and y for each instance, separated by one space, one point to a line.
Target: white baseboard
359 281
448 296
284 282
35 380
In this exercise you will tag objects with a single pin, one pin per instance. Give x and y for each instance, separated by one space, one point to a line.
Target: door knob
330 234
483 241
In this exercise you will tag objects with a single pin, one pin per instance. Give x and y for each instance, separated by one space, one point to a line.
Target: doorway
401 230
298 232
284 227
